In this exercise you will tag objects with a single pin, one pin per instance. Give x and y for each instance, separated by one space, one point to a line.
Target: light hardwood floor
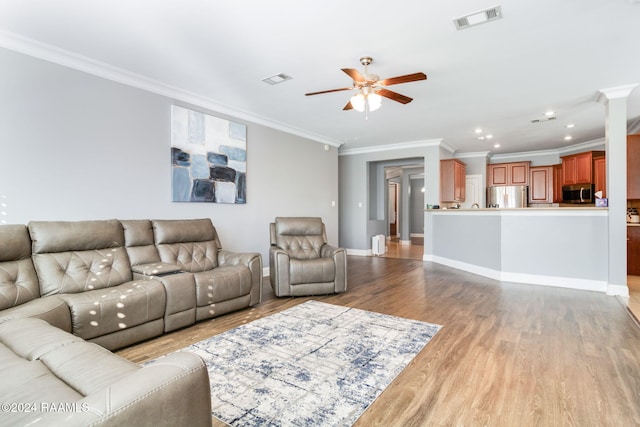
413 251
507 355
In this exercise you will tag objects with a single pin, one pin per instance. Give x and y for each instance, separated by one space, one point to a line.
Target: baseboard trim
359 252
618 290
531 279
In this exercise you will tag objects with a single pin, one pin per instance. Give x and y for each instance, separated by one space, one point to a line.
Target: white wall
75 146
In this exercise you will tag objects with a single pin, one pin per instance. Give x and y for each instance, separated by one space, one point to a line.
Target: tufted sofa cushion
18 279
301 238
72 257
191 244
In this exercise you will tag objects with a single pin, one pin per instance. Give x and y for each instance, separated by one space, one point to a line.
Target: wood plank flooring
507 355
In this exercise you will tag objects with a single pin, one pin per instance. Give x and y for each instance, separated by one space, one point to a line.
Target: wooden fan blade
348 106
394 96
328 91
403 79
354 74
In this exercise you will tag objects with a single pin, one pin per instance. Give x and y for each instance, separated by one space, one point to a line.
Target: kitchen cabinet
633 250
541 184
453 175
600 175
578 168
633 167
516 173
557 183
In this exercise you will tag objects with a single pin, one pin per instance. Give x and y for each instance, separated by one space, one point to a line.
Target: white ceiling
542 55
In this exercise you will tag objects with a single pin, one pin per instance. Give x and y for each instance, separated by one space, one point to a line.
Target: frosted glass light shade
357 102
374 101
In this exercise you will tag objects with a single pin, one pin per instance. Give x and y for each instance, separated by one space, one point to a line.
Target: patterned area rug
313 364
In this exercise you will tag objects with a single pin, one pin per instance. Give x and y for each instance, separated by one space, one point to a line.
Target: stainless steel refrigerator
507 196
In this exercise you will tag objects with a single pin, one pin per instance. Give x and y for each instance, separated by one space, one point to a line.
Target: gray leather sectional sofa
71 291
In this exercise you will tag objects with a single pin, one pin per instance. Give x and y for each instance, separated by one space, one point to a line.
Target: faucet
475 205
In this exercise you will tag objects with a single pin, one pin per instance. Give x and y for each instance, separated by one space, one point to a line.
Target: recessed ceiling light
546 119
570 126
481 138
278 78
550 113
478 130
568 138
489 136
496 145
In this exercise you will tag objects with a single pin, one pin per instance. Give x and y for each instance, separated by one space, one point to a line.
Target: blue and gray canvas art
208 158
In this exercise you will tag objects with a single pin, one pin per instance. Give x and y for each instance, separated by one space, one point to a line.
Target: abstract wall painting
208 158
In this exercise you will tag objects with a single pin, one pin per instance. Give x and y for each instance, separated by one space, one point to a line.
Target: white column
615 100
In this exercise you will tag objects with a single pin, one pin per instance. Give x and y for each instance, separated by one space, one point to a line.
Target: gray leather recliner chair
300 260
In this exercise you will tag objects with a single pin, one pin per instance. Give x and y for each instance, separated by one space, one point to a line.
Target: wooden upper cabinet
578 168
541 184
633 167
453 175
569 170
557 183
497 174
516 173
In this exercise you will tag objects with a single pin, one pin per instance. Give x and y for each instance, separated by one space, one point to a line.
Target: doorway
394 226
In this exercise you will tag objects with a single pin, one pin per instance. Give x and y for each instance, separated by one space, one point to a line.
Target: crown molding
478 154
399 146
553 152
91 66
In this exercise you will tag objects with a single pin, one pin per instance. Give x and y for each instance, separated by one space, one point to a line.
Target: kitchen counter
566 247
568 208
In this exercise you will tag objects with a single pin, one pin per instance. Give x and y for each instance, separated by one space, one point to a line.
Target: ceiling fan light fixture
369 101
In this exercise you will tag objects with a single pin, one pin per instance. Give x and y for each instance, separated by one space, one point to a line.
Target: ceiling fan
370 88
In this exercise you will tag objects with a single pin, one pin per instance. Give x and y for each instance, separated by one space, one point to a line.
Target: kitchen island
564 247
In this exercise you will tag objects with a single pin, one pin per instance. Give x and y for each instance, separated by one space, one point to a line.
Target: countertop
568 208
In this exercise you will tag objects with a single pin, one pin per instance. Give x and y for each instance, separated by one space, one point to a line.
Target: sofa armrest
172 391
339 256
253 261
53 309
279 271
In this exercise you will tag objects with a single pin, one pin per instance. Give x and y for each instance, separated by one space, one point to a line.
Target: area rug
315 364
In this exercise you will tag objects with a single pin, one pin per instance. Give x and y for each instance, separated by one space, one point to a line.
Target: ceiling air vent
477 18
278 78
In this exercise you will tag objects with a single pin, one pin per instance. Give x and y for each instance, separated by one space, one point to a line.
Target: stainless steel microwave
580 193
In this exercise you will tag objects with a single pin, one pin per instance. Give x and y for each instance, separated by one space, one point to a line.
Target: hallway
413 251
